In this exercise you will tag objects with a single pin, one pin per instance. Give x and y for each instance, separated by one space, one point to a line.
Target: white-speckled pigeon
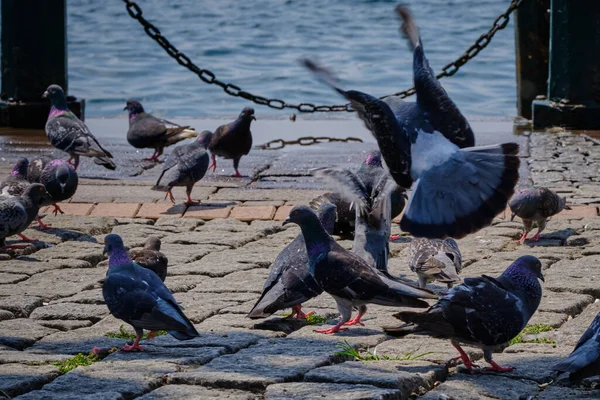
151 257
68 133
458 190
232 141
535 205
584 361
16 213
484 312
290 283
370 191
185 166
435 259
148 132
16 183
58 176
349 279
137 296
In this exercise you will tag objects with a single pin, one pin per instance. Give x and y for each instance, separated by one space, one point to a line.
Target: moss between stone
347 350
533 330
74 362
123 334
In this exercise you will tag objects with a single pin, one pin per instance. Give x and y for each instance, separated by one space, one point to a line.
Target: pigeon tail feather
463 194
181 135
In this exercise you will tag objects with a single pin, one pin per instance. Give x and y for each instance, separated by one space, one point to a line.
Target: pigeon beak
286 221
125 108
542 277
45 95
568 208
254 118
105 250
512 216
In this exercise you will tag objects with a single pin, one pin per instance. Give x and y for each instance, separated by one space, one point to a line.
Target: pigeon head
56 95
522 278
37 193
152 243
114 247
20 168
304 216
204 138
563 203
327 213
62 173
373 159
134 107
247 114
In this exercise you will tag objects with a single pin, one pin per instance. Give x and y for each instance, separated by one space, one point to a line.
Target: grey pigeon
289 283
16 183
232 141
349 279
59 178
151 258
459 189
584 361
484 312
370 191
146 131
68 133
435 259
185 166
535 205
16 213
137 296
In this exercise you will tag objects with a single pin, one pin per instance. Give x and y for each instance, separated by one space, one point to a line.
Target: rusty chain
209 77
304 141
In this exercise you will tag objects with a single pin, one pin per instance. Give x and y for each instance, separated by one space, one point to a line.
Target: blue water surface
256 45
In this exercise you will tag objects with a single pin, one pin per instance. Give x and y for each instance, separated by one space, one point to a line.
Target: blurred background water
256 45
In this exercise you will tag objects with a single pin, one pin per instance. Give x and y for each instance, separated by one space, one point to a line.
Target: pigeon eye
296 212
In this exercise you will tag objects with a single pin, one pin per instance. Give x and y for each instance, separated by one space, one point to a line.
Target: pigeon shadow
554 239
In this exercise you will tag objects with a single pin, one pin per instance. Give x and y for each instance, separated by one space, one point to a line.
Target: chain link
208 77
304 141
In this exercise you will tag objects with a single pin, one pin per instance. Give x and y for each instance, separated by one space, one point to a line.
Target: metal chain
304 141
207 76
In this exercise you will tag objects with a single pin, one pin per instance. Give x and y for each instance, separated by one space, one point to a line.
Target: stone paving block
564 302
135 235
367 336
534 367
178 224
90 225
282 213
429 349
218 237
22 332
199 306
65 324
70 311
117 210
4 315
191 392
188 356
241 281
578 211
92 194
254 368
73 209
179 255
231 340
208 212
250 213
11 278
87 251
553 319
16 379
253 203
222 263
266 195
558 392
330 391
11 356
571 331
577 276
21 306
157 210
482 387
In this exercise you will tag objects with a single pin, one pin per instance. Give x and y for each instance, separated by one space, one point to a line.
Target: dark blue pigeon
68 133
232 141
484 312
58 176
584 361
185 166
137 296
349 279
459 189
289 283
147 131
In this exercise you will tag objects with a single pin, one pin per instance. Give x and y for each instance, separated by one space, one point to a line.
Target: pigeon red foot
470 365
213 164
135 346
297 313
170 195
355 321
496 367
394 237
57 210
41 224
332 330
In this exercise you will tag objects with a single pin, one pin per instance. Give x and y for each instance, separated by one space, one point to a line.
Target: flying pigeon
232 141
484 312
147 131
58 176
435 259
16 183
349 279
137 296
16 213
68 133
370 192
185 166
289 283
535 205
459 189
584 361
150 257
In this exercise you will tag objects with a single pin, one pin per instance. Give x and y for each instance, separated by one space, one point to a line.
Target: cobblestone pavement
51 305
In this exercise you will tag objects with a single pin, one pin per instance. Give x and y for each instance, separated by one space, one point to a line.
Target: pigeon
435 259
150 257
137 296
289 283
185 166
584 361
232 141
349 279
484 312
17 212
459 189
370 191
16 183
68 133
535 205
147 131
58 176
